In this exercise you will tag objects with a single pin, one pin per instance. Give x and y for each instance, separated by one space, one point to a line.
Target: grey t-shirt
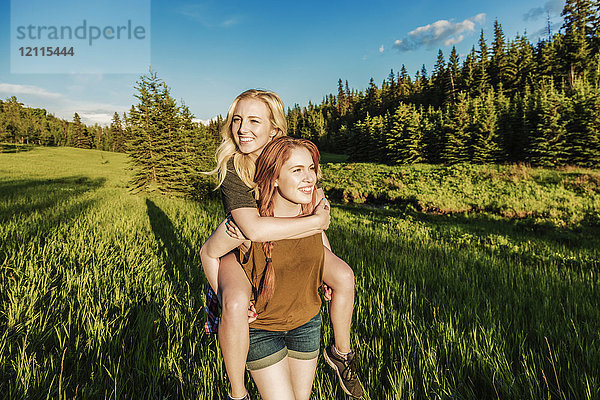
234 192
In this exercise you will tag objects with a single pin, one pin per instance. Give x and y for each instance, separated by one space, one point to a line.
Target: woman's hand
322 210
326 291
252 315
233 230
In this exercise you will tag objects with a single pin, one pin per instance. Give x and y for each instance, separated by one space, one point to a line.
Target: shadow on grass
176 251
15 148
20 199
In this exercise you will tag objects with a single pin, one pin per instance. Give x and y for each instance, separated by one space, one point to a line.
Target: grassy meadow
471 282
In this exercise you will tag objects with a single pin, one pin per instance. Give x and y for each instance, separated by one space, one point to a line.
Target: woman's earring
275 184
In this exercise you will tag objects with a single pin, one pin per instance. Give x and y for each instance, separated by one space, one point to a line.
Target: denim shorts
269 347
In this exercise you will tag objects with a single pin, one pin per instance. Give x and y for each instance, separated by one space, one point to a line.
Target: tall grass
102 295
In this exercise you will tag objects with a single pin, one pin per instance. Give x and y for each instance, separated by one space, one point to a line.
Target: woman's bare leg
274 382
302 373
235 291
340 278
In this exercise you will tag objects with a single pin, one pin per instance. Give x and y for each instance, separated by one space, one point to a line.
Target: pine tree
376 140
453 74
579 17
583 123
404 83
149 145
468 74
482 75
546 60
439 79
404 141
456 130
117 135
342 101
373 99
389 91
432 124
525 67
498 64
547 146
80 133
486 148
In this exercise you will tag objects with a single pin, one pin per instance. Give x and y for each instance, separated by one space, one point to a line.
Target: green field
471 282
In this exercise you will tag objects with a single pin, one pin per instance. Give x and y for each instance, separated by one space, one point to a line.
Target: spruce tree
579 17
453 75
149 146
547 147
583 123
80 133
439 80
373 99
468 73
456 129
404 141
432 124
498 64
486 148
389 91
342 101
117 136
404 83
482 75
525 67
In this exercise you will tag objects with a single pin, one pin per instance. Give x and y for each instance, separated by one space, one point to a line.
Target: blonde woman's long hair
243 163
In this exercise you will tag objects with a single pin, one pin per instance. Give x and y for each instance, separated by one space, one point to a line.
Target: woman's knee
235 304
346 277
339 276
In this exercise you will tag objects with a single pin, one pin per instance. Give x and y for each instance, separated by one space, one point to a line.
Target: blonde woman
254 118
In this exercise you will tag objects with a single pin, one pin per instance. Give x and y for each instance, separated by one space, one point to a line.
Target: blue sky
208 52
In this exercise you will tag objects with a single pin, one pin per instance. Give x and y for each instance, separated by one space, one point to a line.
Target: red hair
268 168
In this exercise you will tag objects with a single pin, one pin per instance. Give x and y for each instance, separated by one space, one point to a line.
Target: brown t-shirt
298 265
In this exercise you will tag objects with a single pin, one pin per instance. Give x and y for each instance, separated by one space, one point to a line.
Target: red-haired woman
285 275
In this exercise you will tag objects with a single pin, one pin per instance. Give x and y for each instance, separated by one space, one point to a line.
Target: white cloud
454 40
96 118
209 13
543 32
551 8
204 121
437 33
381 49
18 90
480 18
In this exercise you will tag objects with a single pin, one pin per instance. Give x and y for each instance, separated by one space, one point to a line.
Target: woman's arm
264 229
320 195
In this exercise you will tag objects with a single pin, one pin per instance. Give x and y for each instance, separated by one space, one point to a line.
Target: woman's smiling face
296 181
251 126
